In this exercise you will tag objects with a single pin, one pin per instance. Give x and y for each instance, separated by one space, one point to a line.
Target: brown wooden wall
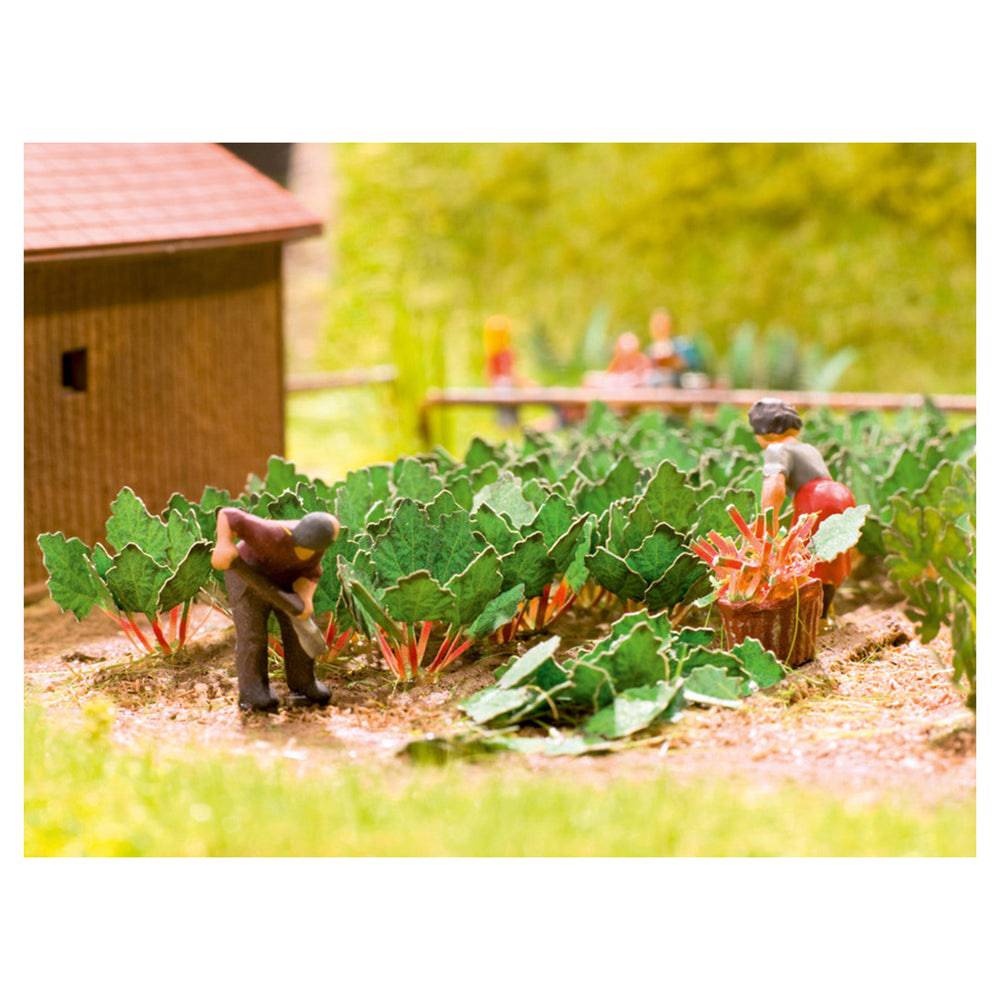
184 382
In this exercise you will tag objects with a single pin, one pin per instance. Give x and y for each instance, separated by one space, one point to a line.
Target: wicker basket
788 628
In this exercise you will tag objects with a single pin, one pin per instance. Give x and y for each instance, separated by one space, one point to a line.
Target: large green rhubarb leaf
475 587
498 612
554 518
506 497
418 598
656 554
495 529
454 546
671 498
186 581
135 579
529 564
131 523
612 573
621 481
682 580
410 543
415 480
74 583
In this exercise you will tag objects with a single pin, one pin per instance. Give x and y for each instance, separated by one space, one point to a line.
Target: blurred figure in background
501 364
667 361
629 366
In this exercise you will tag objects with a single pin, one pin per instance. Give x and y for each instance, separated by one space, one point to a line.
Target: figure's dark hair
774 416
315 531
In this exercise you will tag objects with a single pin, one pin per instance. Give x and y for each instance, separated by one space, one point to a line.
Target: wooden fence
679 400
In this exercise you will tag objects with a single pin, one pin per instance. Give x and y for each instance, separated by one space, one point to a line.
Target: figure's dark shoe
259 701
317 694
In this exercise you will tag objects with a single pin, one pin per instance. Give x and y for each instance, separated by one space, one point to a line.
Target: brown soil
875 713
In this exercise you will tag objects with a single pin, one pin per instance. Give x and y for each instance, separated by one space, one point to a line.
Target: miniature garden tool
306 629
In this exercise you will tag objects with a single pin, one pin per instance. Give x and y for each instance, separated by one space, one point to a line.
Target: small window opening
74 369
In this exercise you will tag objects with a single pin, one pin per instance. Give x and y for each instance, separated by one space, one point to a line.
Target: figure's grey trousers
250 616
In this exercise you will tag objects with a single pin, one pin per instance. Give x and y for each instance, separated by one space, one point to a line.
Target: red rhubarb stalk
543 604
158 632
425 634
183 629
138 631
453 654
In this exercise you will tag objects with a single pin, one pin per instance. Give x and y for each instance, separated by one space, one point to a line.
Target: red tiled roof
83 199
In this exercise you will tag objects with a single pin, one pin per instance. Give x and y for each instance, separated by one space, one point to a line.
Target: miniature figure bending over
275 567
791 465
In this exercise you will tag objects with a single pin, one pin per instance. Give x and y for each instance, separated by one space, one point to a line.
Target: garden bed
875 714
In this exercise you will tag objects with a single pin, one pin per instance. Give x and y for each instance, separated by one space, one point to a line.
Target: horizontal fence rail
347 378
682 400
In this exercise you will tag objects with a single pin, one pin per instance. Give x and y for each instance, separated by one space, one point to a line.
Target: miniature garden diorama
705 556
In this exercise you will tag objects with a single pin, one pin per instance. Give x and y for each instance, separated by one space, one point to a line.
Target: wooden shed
152 327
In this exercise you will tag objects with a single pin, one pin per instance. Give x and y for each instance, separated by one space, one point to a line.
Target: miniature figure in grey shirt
798 462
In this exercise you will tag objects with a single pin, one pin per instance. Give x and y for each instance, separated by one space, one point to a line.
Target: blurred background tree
863 246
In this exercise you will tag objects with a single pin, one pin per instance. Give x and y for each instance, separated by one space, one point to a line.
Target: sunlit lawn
84 796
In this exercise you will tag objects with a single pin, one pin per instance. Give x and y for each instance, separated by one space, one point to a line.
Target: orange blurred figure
629 363
499 353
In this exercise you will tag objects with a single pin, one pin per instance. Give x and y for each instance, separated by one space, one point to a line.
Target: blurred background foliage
869 247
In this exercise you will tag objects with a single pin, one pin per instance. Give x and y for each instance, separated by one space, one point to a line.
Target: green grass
84 796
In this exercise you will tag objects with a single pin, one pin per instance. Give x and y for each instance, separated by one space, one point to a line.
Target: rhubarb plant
931 541
151 572
422 580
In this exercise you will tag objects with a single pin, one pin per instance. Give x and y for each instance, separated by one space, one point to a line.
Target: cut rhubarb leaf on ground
634 660
74 583
135 579
712 686
839 533
573 745
524 669
633 710
493 702
759 664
